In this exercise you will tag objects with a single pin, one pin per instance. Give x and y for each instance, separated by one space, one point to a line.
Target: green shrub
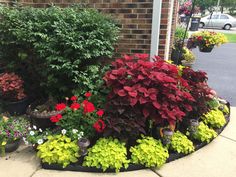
215 118
149 152
181 143
107 153
204 133
54 45
179 33
59 149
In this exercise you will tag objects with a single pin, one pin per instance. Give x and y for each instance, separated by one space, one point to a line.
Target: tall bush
54 45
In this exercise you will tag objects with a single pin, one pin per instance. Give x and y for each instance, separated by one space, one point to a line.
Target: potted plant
12 93
41 111
185 11
206 40
188 57
11 132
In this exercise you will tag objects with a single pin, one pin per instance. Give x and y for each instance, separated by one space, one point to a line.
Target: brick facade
135 17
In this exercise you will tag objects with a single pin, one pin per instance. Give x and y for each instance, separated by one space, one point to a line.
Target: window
224 17
214 16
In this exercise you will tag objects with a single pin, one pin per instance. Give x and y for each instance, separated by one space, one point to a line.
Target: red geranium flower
100 113
88 94
199 38
56 118
99 126
73 98
75 106
88 106
60 106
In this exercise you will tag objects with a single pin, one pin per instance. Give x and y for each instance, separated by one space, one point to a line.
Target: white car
224 21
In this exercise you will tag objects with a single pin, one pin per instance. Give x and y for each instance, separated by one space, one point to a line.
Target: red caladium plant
142 90
199 89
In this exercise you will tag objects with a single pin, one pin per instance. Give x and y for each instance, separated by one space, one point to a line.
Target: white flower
32 133
40 130
79 136
46 133
81 133
40 141
63 131
29 128
74 131
25 141
34 127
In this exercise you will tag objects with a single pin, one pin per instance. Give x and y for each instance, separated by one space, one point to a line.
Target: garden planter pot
41 119
18 107
12 146
83 145
193 125
167 134
176 56
206 49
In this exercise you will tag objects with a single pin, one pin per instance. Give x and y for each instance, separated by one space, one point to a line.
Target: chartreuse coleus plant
225 108
181 143
59 149
107 153
203 133
215 118
149 152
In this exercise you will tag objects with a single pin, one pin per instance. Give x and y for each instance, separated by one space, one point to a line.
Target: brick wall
135 17
174 23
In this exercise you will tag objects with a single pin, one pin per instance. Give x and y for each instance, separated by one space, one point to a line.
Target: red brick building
147 25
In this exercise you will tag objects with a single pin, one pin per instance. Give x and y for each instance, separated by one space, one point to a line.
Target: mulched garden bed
172 156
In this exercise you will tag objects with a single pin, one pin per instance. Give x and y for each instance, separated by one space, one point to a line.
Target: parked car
224 21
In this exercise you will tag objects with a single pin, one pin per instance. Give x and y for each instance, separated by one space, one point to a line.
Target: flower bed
155 112
132 167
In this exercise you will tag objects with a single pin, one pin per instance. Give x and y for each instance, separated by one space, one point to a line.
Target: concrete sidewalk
218 159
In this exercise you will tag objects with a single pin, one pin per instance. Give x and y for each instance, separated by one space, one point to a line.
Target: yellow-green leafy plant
188 55
149 152
107 153
224 109
181 144
58 149
215 118
204 133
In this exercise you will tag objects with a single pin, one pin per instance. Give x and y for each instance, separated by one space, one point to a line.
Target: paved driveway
220 65
232 30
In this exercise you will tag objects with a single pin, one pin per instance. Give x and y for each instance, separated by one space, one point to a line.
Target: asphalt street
220 65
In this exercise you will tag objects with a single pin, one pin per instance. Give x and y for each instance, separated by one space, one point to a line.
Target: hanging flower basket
206 49
206 40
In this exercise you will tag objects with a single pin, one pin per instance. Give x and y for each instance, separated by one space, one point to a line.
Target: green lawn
231 37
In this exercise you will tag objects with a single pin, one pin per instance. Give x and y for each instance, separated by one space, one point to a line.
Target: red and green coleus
155 88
